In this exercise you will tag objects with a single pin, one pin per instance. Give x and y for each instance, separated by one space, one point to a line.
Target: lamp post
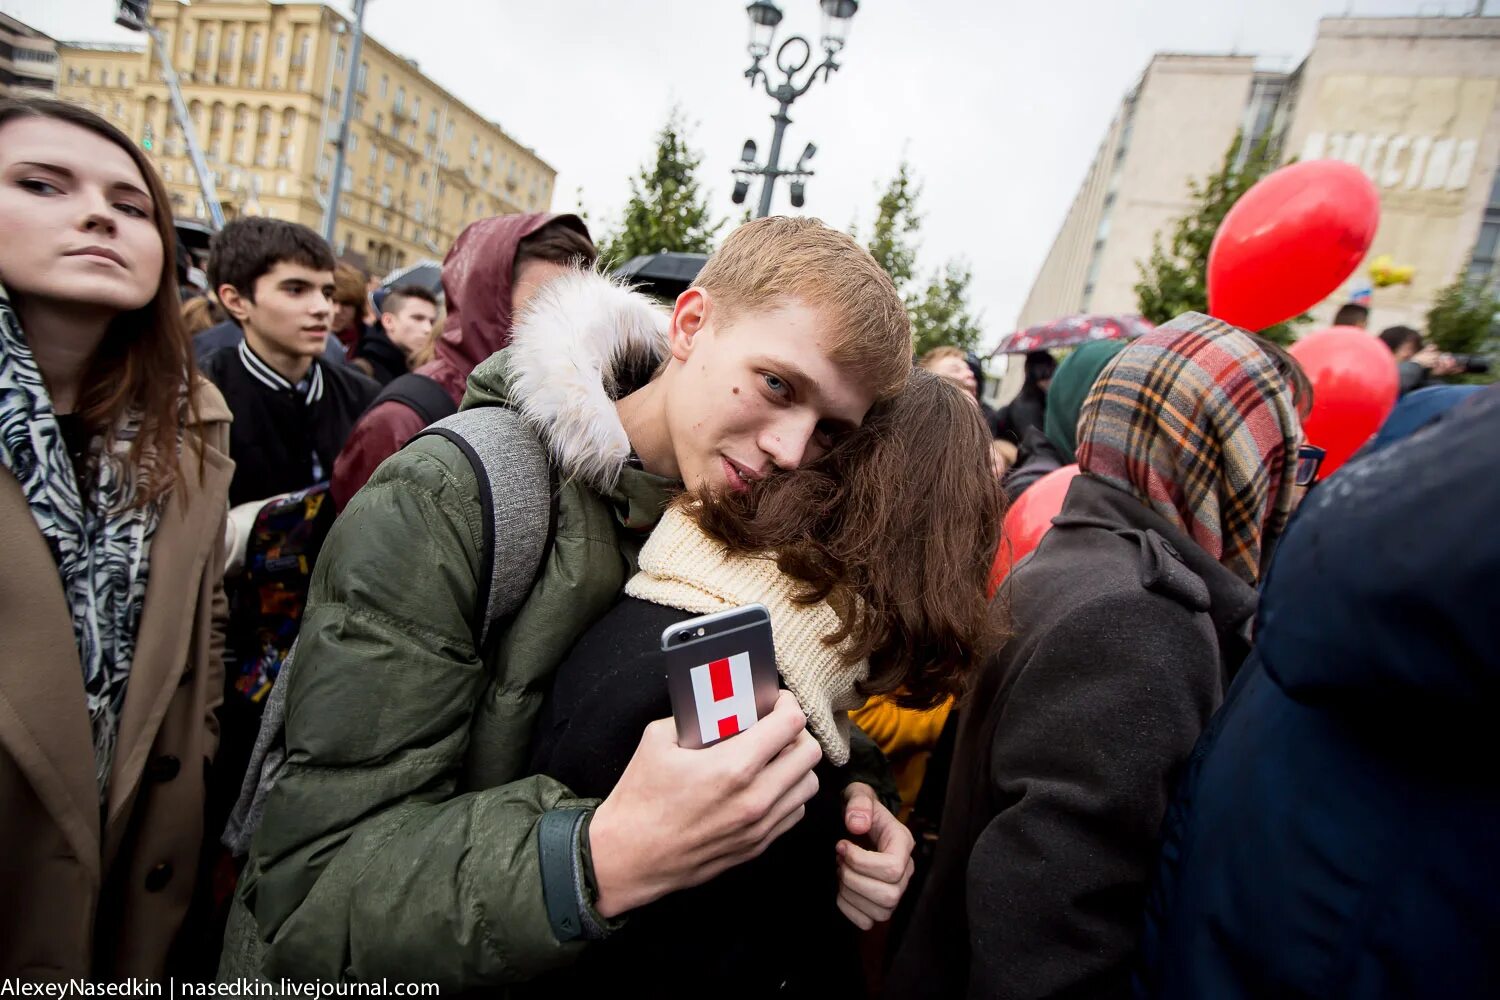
135 15
336 184
792 58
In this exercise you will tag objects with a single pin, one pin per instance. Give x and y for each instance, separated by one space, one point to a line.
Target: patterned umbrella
1072 331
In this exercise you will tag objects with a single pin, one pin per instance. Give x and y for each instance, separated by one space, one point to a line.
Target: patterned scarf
1196 422
101 548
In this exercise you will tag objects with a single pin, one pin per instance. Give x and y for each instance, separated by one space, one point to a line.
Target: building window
187 41
400 104
379 121
374 154
335 98
280 49
432 119
385 85
120 79
448 132
353 142
1483 262
422 181
338 57
348 179
253 55
265 121
364 73
473 147
390 162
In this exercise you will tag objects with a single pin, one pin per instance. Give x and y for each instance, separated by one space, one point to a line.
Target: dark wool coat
1126 635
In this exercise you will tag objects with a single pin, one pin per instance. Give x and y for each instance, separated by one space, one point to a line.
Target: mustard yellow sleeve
900 732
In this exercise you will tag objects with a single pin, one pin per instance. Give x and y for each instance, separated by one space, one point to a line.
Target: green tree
940 314
939 309
667 211
1175 279
1463 320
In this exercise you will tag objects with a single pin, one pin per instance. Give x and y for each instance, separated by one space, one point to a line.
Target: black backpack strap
518 490
424 395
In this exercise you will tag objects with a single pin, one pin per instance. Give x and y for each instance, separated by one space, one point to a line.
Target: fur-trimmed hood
570 350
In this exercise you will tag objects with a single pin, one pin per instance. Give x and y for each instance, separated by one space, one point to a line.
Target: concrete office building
1412 101
264 84
28 61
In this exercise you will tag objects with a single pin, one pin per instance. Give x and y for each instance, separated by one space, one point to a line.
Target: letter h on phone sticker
724 695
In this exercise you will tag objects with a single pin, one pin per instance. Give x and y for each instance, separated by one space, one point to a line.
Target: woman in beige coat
113 489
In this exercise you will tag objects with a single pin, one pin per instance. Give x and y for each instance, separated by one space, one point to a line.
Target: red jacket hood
477 277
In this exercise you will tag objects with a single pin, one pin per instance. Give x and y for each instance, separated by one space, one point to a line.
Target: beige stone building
1410 100
28 60
264 84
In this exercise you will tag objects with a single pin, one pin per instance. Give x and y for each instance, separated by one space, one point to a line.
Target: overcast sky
997 104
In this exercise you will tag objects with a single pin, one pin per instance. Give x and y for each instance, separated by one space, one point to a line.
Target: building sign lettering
1411 162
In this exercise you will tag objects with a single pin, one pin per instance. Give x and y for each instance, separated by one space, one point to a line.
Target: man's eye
38 186
775 384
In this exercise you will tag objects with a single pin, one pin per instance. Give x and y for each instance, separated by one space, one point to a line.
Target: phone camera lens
684 636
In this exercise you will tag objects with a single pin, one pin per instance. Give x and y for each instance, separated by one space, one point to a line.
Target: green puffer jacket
400 841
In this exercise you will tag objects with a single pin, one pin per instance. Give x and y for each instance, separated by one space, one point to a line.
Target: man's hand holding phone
678 817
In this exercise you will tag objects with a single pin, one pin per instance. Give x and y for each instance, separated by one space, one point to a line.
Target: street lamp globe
764 17
836 17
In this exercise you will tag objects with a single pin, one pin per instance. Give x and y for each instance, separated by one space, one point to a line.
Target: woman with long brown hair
113 491
873 564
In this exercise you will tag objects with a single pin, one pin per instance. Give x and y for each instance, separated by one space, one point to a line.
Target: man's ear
689 316
235 304
387 322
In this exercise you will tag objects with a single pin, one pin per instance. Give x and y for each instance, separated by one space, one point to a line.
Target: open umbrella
1072 331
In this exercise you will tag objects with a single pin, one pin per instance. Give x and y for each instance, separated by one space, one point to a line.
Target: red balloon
1355 385
1029 519
1290 241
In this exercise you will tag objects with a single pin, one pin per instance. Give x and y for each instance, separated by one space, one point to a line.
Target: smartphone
721 673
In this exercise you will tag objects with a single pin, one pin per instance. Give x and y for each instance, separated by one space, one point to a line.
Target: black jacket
283 438
1037 457
1338 832
1126 634
385 359
768 927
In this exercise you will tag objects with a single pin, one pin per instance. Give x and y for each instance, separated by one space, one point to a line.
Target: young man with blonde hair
403 839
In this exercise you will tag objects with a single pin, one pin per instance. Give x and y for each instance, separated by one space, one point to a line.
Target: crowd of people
331 614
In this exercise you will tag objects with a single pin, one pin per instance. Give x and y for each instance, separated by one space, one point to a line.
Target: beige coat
85 895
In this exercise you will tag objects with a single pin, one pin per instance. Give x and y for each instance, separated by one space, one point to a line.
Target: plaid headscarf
1195 421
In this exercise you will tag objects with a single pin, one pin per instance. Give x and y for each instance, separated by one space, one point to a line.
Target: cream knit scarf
681 567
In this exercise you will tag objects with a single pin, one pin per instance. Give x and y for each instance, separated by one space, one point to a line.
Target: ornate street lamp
791 59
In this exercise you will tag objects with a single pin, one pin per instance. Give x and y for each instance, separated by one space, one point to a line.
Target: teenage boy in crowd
404 839
390 347
292 409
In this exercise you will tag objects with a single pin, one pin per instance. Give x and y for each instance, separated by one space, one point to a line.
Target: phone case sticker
724 694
